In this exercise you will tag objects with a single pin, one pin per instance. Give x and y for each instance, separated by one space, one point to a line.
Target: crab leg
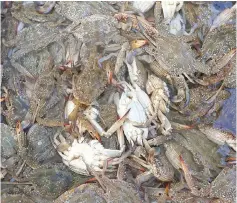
92 116
140 161
165 124
159 140
178 126
143 177
187 95
188 177
116 161
120 57
116 125
21 168
212 99
120 137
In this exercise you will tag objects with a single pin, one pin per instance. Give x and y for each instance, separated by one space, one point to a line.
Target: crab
86 88
223 17
169 9
209 159
16 197
222 187
83 155
30 13
203 102
183 62
136 70
217 136
160 101
157 165
134 108
225 74
9 147
112 190
43 184
89 84
217 44
126 47
17 106
197 16
174 150
23 46
39 147
8 32
87 192
47 93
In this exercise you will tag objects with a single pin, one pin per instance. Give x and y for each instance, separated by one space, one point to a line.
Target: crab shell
139 104
169 8
154 82
143 6
160 93
83 154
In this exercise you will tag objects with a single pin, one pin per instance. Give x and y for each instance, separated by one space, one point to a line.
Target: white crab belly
78 166
136 113
134 134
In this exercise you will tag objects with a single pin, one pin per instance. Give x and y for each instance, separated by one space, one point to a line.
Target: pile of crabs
115 101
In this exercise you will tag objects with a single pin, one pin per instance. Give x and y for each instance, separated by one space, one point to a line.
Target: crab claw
112 81
138 43
178 126
231 160
89 127
110 76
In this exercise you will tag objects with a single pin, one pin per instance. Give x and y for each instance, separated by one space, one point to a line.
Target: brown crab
47 92
158 166
209 159
87 86
112 191
201 103
222 187
16 106
217 136
173 60
173 150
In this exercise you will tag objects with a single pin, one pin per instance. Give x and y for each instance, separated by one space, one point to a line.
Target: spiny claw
138 43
